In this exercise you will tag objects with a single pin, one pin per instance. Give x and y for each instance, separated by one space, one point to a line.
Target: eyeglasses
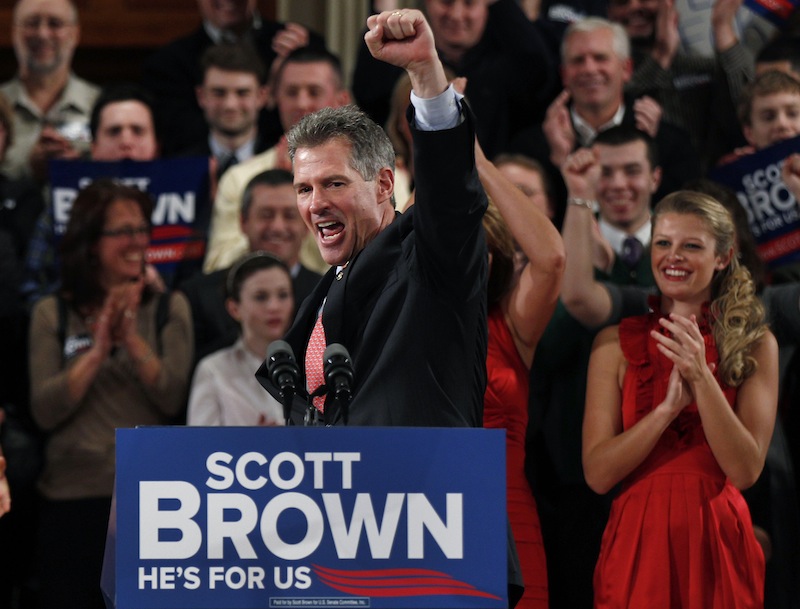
127 231
52 23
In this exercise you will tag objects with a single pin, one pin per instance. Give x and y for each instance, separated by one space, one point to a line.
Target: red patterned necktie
314 373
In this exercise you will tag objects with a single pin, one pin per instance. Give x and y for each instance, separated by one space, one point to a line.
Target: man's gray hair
371 149
621 43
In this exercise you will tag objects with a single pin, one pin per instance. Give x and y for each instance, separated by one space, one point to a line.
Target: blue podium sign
309 517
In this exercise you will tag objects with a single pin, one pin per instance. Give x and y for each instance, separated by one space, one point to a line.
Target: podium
235 517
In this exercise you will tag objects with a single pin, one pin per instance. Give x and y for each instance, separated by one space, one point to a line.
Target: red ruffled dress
505 406
679 534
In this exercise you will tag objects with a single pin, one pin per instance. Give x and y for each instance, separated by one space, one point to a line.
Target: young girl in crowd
680 409
225 390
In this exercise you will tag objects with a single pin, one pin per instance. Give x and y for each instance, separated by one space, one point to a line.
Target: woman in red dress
520 305
680 407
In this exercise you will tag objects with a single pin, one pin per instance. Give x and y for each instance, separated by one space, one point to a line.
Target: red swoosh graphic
396 582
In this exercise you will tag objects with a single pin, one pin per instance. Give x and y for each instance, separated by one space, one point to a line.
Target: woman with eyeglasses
105 352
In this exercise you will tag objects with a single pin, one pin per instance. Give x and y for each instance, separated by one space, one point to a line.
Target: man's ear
747 131
385 184
656 179
200 95
343 98
263 96
627 70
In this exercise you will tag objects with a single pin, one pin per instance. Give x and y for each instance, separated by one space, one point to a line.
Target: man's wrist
590 204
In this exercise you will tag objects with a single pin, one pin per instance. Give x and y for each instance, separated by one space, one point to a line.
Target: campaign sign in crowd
308 517
181 206
773 213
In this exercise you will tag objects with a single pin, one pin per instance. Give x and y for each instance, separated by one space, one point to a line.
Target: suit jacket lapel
355 286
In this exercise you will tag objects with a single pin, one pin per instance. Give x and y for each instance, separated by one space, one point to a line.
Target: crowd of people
515 219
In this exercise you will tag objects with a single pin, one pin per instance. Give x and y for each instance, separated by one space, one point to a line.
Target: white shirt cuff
437 113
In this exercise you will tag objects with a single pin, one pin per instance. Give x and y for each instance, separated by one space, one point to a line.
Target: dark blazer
411 306
214 329
203 149
621 274
172 72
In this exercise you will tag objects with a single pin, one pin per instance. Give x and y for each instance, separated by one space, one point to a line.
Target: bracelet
590 204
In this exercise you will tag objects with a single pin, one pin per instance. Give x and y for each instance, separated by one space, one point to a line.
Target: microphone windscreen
279 347
333 350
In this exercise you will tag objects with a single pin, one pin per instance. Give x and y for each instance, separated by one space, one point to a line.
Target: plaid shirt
41 271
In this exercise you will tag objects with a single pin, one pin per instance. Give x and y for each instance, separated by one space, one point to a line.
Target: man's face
343 211
592 71
638 17
125 131
273 223
231 101
457 25
45 34
304 88
773 118
227 14
626 184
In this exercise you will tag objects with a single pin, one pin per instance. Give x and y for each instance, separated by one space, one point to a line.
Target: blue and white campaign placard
777 11
227 518
181 212
773 213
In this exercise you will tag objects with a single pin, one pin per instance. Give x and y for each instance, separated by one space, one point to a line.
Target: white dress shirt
225 391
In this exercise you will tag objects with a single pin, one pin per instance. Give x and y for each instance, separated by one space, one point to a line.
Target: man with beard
51 104
697 93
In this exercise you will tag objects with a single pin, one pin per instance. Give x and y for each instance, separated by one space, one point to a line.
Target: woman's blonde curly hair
737 314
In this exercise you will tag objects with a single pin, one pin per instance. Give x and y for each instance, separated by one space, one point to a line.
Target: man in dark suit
271 222
172 72
232 92
406 294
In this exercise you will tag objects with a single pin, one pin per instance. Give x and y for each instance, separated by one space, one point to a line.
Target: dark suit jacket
203 149
171 74
411 306
214 329
621 274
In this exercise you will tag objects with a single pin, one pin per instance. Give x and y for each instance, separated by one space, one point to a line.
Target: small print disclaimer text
305 601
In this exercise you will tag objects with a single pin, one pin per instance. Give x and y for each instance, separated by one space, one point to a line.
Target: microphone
283 372
337 368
